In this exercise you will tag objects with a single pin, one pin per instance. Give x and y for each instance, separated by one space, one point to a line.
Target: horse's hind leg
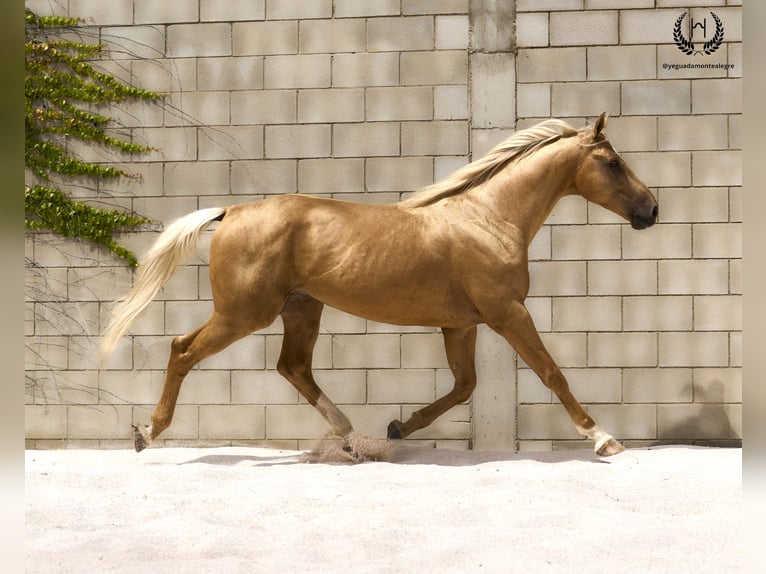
186 351
460 345
301 315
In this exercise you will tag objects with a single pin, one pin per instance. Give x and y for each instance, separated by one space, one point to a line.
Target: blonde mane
517 146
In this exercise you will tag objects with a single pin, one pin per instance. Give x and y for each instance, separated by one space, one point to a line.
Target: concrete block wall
369 101
646 325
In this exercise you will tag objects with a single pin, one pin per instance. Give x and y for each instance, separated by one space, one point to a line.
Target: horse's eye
614 163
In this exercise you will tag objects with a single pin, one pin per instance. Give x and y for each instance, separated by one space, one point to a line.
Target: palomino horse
452 256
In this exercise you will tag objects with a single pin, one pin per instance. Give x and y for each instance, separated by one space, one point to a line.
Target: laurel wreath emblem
687 46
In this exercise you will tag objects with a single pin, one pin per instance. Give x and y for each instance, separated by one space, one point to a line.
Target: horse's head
604 178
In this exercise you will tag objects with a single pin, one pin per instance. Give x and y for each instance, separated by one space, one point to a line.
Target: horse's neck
524 193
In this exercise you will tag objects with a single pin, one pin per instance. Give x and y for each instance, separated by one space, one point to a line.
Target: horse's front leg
515 324
460 345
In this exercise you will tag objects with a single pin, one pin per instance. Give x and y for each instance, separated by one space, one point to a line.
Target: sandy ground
669 509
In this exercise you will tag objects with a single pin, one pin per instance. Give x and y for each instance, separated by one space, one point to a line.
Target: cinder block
735 279
555 278
650 26
228 10
694 349
423 351
366 351
261 388
434 6
452 32
622 349
533 100
99 421
302 71
264 38
531 390
583 28
230 143
718 385
691 205
399 103
656 97
400 386
196 178
621 62
264 177
150 12
294 421
199 40
718 313
45 422
719 96
622 277
585 242
545 422
627 421
264 107
532 30
435 138
633 133
657 313
332 36
206 388
657 385
129 42
170 144
718 240
666 241
400 34
343 386
493 90
356 9
586 313
118 12
450 103
165 75
662 169
72 387
53 318
365 140
699 421
164 210
443 67
720 168
298 9
247 353
551 65
351 70
570 210
567 349
399 173
693 133
328 106
232 422
331 176
98 283
243 73
694 277
185 316
547 5
298 141
130 387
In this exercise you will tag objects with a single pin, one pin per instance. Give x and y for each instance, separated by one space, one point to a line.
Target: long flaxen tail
173 247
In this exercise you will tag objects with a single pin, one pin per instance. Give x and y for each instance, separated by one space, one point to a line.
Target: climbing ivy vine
63 93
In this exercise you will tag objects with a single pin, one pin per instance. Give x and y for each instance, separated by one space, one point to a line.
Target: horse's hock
371 103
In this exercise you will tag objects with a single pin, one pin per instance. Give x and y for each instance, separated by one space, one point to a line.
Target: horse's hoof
394 431
609 448
139 442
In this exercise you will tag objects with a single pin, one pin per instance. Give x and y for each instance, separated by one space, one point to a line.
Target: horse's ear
600 124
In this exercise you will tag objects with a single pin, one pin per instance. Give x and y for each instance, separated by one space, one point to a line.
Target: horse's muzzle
646 219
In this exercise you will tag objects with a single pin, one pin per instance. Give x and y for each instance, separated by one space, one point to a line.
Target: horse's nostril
655 211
